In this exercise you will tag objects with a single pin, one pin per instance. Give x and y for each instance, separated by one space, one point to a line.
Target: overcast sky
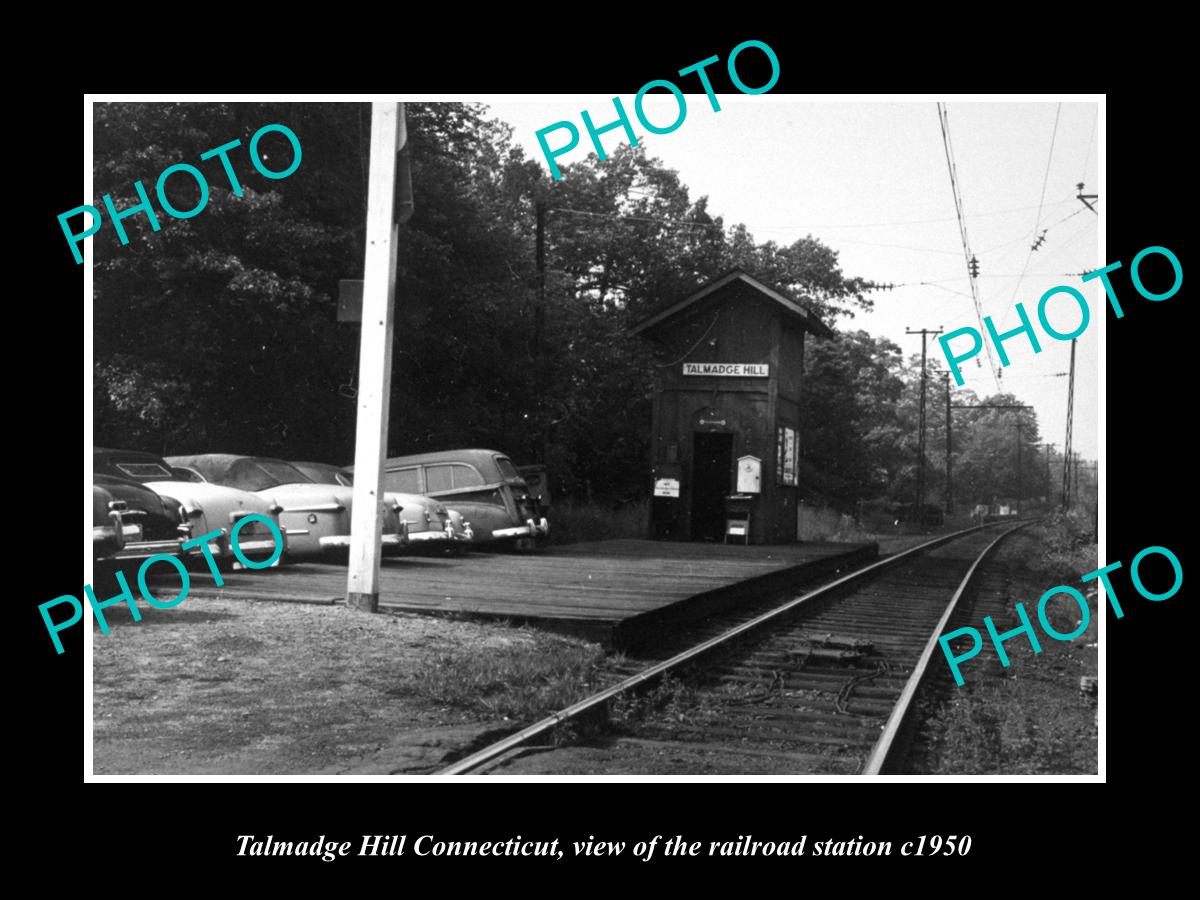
870 180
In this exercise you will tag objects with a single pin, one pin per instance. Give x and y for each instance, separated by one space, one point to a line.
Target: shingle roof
806 317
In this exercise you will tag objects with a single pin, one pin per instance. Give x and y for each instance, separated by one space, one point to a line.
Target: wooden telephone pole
949 480
539 314
1019 425
924 333
1066 483
1020 502
388 135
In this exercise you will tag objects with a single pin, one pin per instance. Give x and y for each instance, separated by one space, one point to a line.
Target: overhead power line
1087 154
1038 238
793 226
675 222
970 258
997 212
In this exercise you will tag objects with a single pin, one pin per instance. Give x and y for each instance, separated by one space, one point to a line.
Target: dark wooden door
712 473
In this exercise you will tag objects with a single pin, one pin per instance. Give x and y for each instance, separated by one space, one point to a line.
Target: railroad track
823 682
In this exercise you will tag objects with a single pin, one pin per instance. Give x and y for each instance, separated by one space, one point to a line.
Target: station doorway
712 469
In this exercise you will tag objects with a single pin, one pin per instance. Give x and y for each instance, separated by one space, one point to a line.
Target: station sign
735 370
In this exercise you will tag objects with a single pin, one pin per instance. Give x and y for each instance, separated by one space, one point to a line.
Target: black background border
1145 681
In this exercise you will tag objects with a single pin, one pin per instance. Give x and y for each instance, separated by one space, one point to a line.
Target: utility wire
1037 239
824 239
841 240
596 215
1087 154
888 287
788 227
968 256
1058 248
997 212
1022 237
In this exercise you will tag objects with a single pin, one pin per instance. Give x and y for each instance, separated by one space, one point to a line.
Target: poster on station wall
785 456
666 487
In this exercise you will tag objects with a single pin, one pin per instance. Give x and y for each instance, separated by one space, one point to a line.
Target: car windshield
320 476
260 474
143 469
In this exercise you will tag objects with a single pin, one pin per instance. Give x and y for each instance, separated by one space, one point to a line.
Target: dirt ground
236 687
1031 718
240 687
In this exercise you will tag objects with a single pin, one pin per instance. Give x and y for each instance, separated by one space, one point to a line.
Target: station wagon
483 485
427 520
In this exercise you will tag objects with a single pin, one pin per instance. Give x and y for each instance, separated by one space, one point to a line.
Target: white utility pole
375 368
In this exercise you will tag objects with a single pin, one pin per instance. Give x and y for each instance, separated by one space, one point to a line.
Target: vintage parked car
132 522
537 479
108 531
206 507
483 485
315 517
430 524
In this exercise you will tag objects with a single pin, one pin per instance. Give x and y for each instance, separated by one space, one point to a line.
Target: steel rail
480 757
882 750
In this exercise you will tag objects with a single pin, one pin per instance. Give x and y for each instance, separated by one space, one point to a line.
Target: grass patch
572 522
1067 547
523 680
1030 718
996 727
820 523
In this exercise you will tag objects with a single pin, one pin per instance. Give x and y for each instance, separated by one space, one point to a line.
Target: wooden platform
615 592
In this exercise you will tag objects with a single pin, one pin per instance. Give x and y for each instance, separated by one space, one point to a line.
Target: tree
203 325
853 440
986 442
218 332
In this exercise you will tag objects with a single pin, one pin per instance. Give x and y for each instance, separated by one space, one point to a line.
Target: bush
1068 546
571 522
820 523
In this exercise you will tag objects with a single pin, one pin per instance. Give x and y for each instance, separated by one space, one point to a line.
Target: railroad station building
726 432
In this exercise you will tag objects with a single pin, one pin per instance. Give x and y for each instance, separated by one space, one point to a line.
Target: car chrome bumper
421 537
343 540
531 528
145 549
255 546
218 548
106 540
519 531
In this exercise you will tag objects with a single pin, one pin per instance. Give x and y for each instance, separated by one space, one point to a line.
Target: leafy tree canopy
219 333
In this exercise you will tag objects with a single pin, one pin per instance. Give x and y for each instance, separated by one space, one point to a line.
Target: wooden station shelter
726 434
